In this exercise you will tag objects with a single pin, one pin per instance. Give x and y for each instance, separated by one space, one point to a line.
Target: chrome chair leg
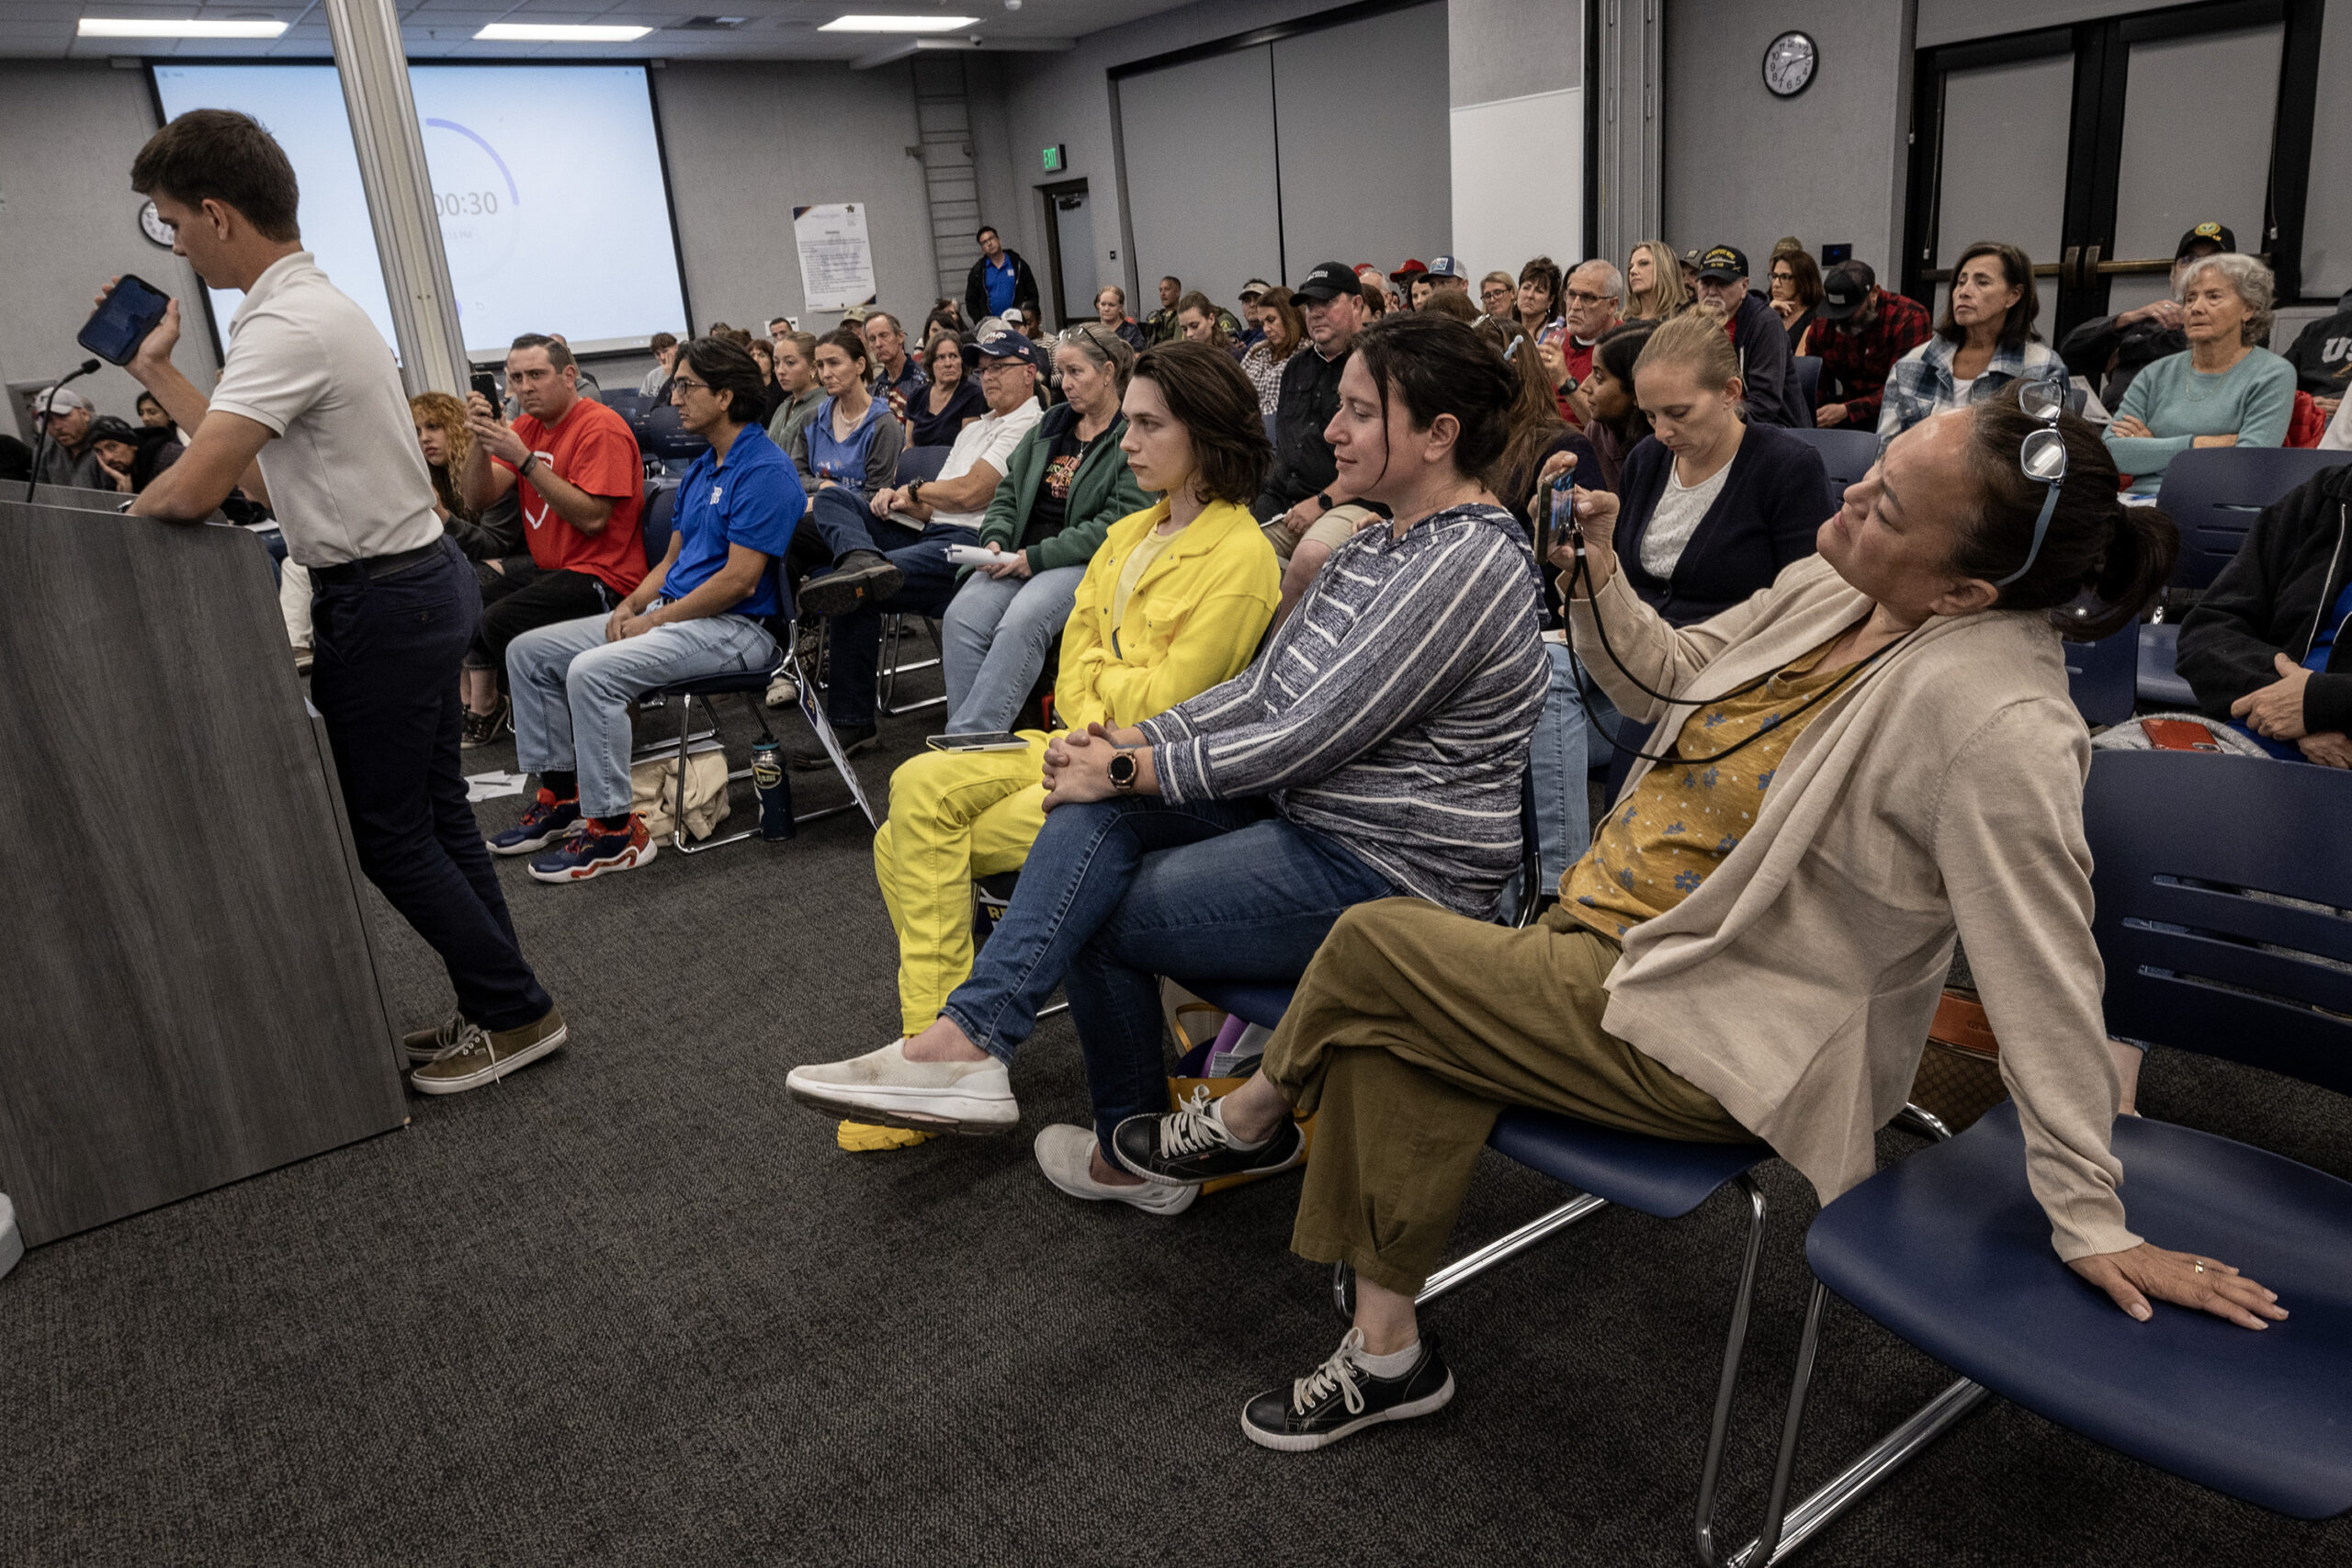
815 714
678 810
1734 1348
1461 1271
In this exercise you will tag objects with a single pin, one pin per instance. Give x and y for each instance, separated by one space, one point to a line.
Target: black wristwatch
914 493
1323 499
1123 770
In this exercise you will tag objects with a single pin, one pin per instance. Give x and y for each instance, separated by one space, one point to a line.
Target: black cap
2207 233
1006 343
111 427
1724 263
1845 289
1328 281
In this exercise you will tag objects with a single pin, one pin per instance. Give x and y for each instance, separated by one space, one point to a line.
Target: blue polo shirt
752 499
998 278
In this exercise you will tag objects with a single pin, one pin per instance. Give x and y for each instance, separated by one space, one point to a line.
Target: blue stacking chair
1846 454
2219 900
1807 368
660 503
2103 677
629 403
914 463
2214 493
922 463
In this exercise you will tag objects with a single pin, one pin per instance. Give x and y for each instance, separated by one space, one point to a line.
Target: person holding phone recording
309 413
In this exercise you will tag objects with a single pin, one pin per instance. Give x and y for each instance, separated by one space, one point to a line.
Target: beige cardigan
1939 793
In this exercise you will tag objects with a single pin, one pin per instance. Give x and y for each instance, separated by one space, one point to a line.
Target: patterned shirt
1392 710
1922 385
1265 372
1683 819
1854 366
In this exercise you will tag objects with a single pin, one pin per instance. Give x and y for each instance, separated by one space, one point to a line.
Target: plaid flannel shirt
1854 366
1921 383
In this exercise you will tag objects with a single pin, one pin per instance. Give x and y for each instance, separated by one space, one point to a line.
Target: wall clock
1789 62
151 224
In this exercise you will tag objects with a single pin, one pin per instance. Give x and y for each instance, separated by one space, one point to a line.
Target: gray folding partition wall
188 994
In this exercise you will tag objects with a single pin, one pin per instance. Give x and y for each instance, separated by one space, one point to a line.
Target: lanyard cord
1581 574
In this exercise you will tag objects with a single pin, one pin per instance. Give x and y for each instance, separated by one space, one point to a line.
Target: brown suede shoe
477 1056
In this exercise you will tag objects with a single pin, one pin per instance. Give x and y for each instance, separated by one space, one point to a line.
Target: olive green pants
1411 1031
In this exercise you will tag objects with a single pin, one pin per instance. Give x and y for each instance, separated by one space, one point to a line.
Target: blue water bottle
774 785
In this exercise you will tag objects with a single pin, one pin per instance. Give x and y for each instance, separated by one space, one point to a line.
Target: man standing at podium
310 411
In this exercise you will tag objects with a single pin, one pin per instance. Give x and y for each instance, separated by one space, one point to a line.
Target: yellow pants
954 816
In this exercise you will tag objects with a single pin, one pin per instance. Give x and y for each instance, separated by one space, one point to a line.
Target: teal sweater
2253 401
1101 492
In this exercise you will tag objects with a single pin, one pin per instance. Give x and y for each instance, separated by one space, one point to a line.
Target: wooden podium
189 989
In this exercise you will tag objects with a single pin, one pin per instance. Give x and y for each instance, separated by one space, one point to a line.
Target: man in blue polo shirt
697 613
998 281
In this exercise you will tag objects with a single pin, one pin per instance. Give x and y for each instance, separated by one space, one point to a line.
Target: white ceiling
774 29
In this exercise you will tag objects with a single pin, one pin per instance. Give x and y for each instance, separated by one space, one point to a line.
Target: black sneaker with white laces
1190 1145
1341 1398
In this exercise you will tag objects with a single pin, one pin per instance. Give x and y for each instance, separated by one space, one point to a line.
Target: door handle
2067 267
2090 265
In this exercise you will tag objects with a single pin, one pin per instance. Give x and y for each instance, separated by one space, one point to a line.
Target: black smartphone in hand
486 384
133 307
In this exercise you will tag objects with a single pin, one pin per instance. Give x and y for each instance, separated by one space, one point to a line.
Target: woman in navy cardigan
1711 508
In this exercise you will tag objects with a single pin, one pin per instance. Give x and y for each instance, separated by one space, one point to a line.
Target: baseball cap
1006 343
66 400
1448 266
856 314
1253 288
1722 263
1328 281
1844 289
1410 269
2207 233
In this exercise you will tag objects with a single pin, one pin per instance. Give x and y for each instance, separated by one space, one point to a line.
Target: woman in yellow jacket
1173 604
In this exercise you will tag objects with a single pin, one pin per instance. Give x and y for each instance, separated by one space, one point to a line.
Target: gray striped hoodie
1392 710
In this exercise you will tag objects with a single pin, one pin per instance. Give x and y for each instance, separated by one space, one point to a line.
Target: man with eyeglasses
890 554
1594 300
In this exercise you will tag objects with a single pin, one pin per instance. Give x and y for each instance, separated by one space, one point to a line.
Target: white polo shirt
347 479
988 439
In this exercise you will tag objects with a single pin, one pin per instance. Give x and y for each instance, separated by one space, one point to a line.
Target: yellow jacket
1192 621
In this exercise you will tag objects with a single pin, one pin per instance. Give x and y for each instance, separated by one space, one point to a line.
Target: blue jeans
573 690
1121 891
1557 759
993 643
385 650
845 522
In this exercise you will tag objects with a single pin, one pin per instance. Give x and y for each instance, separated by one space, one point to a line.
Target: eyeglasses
679 384
2043 456
1579 297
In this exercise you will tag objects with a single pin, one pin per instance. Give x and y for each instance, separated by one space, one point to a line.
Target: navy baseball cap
1448 266
1006 343
2206 234
1722 263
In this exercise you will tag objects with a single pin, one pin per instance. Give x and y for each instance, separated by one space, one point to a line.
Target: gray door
1074 231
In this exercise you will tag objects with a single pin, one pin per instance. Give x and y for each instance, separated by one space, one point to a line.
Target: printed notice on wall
836 259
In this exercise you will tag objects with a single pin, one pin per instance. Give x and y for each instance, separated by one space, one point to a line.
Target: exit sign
1056 158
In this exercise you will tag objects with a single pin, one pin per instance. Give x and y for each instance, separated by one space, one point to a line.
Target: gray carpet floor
633 1307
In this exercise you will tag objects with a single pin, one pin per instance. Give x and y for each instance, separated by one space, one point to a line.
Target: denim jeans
993 643
844 523
1557 759
573 690
384 684
1121 891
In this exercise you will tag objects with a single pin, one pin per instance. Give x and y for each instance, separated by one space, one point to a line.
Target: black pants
383 651
540 600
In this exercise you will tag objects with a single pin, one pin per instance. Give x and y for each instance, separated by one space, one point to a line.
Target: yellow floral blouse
1684 817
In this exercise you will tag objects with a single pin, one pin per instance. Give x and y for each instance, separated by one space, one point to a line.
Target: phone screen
486 384
119 325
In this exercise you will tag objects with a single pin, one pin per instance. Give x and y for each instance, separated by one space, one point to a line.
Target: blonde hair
1669 295
448 415
1694 340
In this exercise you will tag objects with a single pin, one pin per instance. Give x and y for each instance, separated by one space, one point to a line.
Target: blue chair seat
1949 1250
1657 1176
2160 681
722 685
2103 677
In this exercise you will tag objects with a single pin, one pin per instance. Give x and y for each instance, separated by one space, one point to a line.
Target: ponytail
2101 563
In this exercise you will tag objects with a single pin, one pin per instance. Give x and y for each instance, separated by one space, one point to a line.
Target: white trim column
1629 161
373 64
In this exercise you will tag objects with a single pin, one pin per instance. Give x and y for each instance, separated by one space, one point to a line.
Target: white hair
1612 282
2252 281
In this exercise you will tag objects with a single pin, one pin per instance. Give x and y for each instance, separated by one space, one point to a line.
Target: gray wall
1744 167
69 221
1512 49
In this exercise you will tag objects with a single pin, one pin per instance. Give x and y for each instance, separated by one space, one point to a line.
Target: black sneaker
858 579
809 756
1190 1145
476 729
1340 1398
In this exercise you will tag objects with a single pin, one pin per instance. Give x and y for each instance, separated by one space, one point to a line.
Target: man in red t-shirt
1594 299
582 490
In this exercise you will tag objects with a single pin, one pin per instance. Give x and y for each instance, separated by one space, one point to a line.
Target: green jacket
1102 492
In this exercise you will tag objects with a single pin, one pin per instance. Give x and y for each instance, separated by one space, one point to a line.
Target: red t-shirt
592 447
1579 358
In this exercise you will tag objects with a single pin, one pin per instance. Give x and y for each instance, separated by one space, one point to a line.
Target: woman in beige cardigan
1872 757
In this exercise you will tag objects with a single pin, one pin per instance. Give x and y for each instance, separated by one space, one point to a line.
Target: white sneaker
930 1097
1066 1155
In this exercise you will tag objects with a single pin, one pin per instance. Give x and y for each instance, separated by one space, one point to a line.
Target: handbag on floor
654 791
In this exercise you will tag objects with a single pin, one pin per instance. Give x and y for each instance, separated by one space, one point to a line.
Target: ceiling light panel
136 27
898 24
544 33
